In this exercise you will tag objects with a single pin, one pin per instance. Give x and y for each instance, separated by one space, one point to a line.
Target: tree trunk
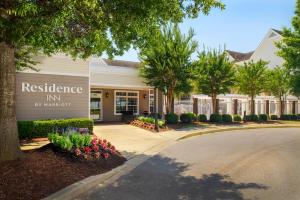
214 104
9 140
170 99
281 102
252 105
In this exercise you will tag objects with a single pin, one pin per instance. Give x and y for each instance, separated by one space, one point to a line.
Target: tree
252 79
279 84
166 62
77 27
289 50
214 74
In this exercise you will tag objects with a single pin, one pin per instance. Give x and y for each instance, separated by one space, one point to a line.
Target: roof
238 56
277 31
122 63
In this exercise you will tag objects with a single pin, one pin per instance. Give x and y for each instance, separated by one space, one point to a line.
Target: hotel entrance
96 106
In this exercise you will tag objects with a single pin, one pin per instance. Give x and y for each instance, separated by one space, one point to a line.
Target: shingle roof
238 56
277 31
122 63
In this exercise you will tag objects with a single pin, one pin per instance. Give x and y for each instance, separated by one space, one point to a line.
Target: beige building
96 88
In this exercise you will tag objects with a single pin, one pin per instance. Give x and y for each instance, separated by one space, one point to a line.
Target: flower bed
147 123
83 146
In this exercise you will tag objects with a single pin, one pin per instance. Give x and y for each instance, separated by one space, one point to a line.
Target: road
236 165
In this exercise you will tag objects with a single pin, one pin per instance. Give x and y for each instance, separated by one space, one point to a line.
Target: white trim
149 106
101 106
128 87
115 100
52 73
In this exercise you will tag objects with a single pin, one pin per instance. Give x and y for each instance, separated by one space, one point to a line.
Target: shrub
151 120
263 117
288 117
251 118
298 116
82 146
226 118
237 118
171 118
41 128
202 118
154 114
188 117
215 118
274 117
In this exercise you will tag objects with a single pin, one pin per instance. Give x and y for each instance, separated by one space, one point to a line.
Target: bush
263 117
215 118
298 116
150 120
274 117
171 118
154 114
202 118
41 128
188 118
227 118
288 117
251 118
237 118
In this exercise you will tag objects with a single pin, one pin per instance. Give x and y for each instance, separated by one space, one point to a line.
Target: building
96 88
236 103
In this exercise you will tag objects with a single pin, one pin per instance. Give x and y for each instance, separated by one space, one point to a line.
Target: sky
240 27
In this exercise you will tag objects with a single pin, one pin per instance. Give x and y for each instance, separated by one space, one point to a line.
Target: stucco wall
39 105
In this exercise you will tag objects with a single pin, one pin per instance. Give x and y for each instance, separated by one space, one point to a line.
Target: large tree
166 62
252 80
289 50
77 27
279 84
215 74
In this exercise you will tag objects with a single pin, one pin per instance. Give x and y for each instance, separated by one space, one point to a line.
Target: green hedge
202 118
251 118
215 118
171 118
274 117
226 118
263 117
288 117
41 128
188 118
237 118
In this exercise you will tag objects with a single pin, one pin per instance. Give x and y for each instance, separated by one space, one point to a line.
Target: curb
214 130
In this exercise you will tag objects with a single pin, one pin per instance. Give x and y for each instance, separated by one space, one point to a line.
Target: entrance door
96 105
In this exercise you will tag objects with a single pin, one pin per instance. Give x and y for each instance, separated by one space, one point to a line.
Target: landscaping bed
48 169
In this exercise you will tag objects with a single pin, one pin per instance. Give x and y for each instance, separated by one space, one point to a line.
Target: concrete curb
215 130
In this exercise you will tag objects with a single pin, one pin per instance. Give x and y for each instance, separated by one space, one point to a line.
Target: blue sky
241 26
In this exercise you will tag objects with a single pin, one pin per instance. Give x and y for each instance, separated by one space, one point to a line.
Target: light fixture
106 94
145 96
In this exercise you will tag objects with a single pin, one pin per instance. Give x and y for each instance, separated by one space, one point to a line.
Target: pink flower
94 141
105 155
99 141
95 147
105 141
77 151
87 150
103 145
113 148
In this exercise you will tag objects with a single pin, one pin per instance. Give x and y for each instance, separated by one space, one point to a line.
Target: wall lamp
145 96
106 94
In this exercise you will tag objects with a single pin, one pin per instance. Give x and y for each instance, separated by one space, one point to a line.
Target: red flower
105 155
95 147
87 150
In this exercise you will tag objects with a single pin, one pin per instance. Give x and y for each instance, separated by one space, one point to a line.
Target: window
126 101
151 101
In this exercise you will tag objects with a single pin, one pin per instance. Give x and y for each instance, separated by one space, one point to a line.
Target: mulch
46 170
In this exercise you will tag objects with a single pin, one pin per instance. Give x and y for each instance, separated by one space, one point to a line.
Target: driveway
128 139
237 165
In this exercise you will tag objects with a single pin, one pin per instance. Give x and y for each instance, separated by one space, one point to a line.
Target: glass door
96 105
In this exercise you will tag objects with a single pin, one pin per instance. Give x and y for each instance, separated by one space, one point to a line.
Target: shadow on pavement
162 178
